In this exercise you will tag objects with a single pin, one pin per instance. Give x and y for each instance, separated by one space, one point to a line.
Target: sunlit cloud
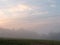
20 7
23 9
15 11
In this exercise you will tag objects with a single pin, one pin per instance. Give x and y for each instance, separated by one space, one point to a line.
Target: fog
23 34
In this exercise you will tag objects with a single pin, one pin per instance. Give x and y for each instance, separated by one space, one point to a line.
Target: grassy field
28 42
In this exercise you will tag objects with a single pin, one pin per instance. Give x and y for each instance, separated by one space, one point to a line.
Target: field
28 42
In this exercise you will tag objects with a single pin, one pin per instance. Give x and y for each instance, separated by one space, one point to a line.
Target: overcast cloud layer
34 16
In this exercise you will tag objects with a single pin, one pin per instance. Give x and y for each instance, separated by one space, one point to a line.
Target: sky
39 16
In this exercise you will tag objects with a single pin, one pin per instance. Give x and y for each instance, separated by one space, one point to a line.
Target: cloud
3 0
52 36
20 7
34 15
21 33
41 26
20 10
52 5
40 12
15 15
2 15
52 1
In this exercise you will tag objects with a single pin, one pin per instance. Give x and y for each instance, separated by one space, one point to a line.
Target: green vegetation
28 42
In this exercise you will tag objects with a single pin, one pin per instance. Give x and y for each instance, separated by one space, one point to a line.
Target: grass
28 42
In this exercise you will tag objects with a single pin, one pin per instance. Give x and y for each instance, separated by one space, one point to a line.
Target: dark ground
28 42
